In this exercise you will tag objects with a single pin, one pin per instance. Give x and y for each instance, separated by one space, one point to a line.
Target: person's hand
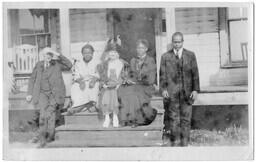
193 95
130 82
88 77
117 86
165 94
29 98
82 85
105 86
92 83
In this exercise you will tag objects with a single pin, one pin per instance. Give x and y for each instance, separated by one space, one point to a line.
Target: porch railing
25 58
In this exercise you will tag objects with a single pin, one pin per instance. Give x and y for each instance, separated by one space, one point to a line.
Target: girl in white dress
111 80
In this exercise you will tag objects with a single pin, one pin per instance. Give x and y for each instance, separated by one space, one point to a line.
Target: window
30 30
238 36
34 27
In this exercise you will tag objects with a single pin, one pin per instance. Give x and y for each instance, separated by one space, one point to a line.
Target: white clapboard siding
196 20
88 25
206 48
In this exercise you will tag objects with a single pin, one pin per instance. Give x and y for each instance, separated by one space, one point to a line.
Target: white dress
85 70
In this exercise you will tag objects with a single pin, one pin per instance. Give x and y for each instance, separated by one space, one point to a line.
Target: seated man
85 87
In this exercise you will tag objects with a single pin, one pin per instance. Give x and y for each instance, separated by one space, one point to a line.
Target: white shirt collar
179 53
142 57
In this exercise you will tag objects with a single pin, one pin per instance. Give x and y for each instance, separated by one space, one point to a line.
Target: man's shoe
134 125
34 140
42 144
166 141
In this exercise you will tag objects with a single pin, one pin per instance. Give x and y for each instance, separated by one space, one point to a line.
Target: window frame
47 34
233 64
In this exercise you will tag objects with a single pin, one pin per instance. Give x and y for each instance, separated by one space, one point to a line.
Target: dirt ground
232 136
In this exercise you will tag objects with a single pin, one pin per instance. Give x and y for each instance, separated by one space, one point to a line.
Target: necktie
47 65
177 54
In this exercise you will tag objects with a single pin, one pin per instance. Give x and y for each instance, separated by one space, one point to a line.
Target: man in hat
179 83
47 91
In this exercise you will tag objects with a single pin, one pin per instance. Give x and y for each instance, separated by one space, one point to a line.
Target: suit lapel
185 57
50 70
144 62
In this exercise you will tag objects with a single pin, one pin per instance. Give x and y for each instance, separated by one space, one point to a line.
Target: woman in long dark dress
136 92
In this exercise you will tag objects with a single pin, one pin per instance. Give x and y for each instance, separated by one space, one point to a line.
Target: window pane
33 21
41 18
43 41
237 13
238 40
26 22
28 40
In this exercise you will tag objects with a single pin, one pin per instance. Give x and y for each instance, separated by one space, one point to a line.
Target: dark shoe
176 143
34 140
134 125
184 142
166 143
42 144
166 140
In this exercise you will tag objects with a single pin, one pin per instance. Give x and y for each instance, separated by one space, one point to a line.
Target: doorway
133 24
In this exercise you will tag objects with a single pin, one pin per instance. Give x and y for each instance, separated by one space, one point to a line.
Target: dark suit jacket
55 79
168 73
147 74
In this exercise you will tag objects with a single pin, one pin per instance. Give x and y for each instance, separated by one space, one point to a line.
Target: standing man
179 83
47 90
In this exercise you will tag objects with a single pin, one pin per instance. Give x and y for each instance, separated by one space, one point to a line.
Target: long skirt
109 101
134 100
82 96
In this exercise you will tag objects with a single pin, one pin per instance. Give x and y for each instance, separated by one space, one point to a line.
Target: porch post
158 40
170 29
170 25
65 44
65 32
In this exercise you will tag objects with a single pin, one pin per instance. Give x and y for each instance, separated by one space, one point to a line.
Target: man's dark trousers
177 121
179 76
47 106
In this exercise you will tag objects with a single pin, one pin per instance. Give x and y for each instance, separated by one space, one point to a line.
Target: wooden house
219 36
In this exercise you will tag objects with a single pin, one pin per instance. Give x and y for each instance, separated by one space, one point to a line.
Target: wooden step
91 135
76 127
76 132
104 143
84 118
87 118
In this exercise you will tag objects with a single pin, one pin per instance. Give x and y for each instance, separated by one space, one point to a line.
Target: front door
131 25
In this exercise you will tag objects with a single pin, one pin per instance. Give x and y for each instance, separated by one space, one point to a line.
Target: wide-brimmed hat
49 51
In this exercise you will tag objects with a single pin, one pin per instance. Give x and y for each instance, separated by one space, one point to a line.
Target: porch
222 102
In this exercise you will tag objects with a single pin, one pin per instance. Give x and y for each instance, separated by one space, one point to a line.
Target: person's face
177 42
87 54
141 49
112 55
47 57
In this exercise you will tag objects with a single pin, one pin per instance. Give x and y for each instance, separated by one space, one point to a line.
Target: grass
232 136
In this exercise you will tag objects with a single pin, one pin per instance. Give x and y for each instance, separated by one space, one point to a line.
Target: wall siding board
88 25
196 20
